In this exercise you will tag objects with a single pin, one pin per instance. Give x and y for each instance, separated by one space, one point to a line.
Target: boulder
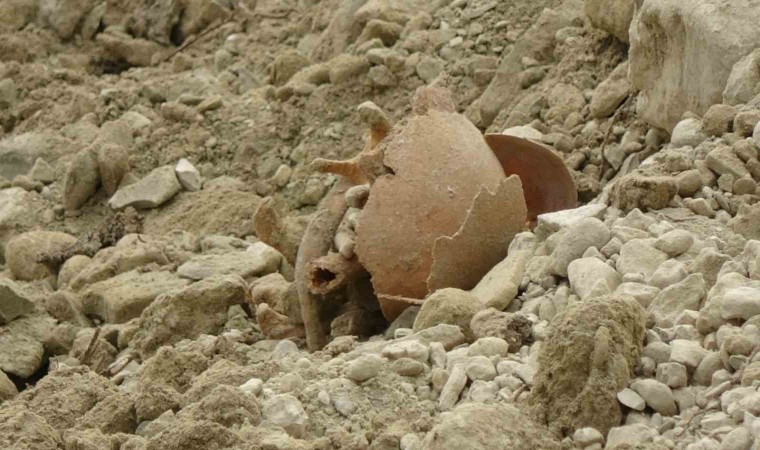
674 299
744 80
612 16
82 180
586 273
688 132
125 296
258 260
498 426
589 357
615 88
20 354
587 233
155 189
13 302
188 175
23 251
682 54
200 308
448 306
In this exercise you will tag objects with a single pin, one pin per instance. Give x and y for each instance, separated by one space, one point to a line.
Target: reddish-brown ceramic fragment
461 261
438 162
546 182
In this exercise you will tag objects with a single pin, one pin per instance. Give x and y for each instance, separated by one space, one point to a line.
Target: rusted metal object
444 204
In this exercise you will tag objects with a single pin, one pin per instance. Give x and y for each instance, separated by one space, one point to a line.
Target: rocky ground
140 309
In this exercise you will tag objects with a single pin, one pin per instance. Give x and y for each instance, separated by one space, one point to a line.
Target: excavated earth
141 310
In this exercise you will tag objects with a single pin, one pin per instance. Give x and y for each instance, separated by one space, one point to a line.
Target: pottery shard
439 162
462 260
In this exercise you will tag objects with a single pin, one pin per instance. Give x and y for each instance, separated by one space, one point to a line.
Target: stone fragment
453 388
20 355
448 306
587 359
631 399
671 374
258 260
688 132
512 328
742 84
584 274
675 242
745 122
480 368
643 293
13 302
23 251
630 435
576 240
722 160
82 179
188 175
741 303
688 353
637 256
495 426
719 119
689 183
200 308
672 300
669 273
611 92
347 67
8 390
647 193
158 187
113 164
364 368
125 296
42 172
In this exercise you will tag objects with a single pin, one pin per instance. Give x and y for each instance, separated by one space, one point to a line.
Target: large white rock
286 411
741 303
188 175
584 274
155 189
612 16
682 53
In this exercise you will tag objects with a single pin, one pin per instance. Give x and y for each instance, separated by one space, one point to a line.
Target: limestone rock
200 308
513 328
741 303
744 80
188 175
747 221
22 252
448 306
20 355
480 426
113 164
8 390
674 242
584 274
657 395
125 296
719 120
82 179
688 132
669 273
286 411
588 358
630 435
258 260
637 256
155 189
13 302
615 88
672 300
636 191
42 172
577 239
662 56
